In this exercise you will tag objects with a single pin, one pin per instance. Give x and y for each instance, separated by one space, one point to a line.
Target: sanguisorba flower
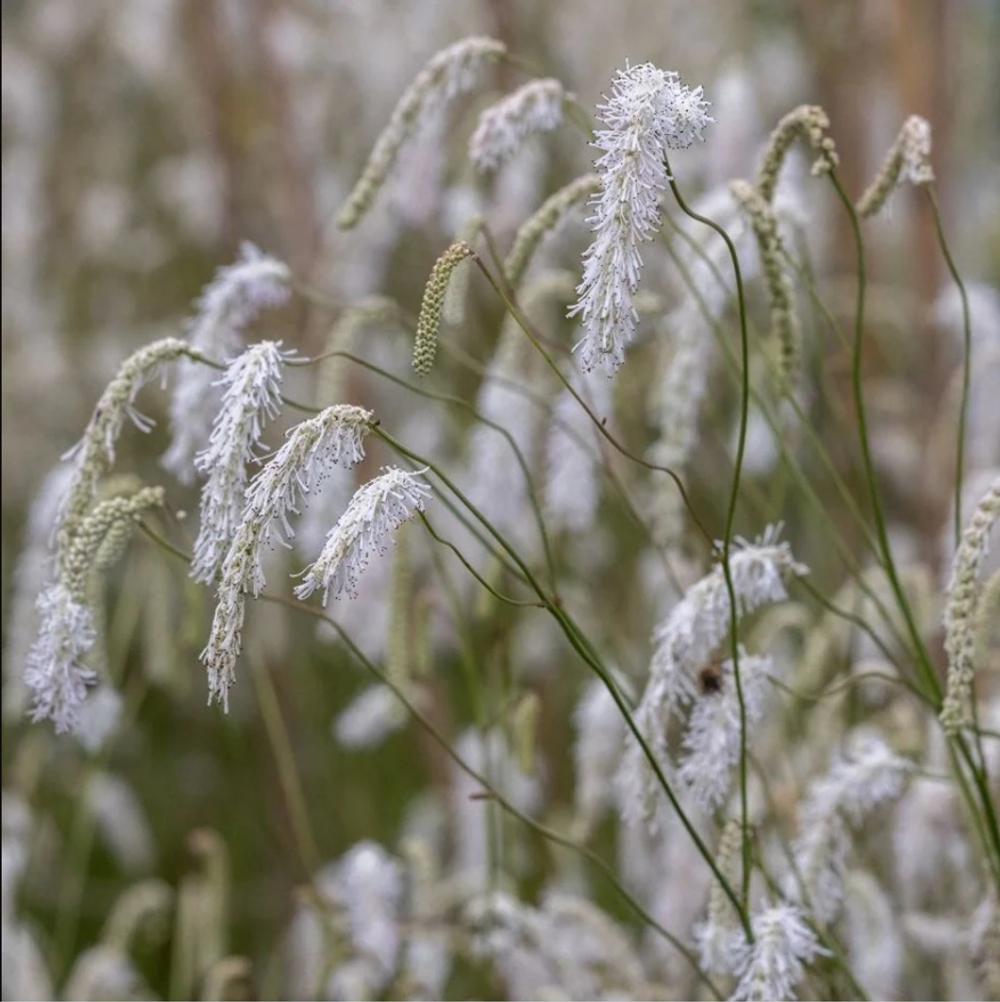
251 397
377 509
334 437
783 946
649 112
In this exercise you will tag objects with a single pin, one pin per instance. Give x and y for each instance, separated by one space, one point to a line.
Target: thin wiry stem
989 816
727 538
583 647
966 358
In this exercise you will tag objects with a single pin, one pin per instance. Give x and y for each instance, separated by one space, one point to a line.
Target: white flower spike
649 112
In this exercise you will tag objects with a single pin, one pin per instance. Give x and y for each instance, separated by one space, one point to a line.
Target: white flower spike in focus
375 512
649 112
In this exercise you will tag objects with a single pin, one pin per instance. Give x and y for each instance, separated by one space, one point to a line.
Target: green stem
727 539
583 647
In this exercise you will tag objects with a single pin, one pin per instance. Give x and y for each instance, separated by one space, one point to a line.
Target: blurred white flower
55 672
234 297
503 127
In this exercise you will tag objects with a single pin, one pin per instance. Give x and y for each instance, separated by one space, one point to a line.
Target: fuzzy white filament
333 437
55 672
649 111
712 741
238 292
252 396
688 638
370 718
377 509
868 774
783 945
503 127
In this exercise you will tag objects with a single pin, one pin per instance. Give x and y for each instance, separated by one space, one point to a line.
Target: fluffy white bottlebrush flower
55 672
369 888
235 296
369 718
712 741
252 395
776 963
688 638
866 774
334 437
504 126
649 112
377 509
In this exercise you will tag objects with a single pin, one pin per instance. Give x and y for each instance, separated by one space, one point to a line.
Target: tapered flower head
375 512
649 112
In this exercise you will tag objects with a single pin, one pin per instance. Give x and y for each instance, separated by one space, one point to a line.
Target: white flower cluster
334 436
370 718
54 670
503 127
252 396
234 297
783 945
688 638
649 112
375 512
712 740
868 774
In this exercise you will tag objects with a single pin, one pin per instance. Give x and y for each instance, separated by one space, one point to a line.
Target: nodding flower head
649 111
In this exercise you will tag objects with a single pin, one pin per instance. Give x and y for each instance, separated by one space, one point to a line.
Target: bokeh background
143 140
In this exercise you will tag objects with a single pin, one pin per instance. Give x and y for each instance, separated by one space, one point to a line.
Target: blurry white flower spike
254 282
649 112
377 509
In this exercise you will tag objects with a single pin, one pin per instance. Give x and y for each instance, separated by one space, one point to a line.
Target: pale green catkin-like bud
720 936
525 732
810 122
372 311
95 452
552 212
451 72
144 903
453 310
429 322
100 538
784 322
961 610
908 159
987 642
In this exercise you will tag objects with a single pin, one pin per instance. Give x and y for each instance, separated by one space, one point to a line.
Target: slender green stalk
546 832
583 647
992 827
727 538
963 407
